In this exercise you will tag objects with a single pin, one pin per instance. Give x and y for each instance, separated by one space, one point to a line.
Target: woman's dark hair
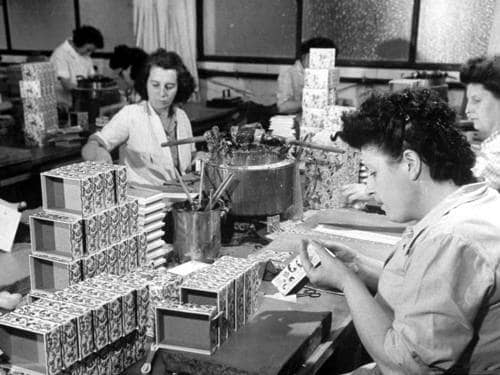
87 35
318 42
483 70
413 119
124 56
167 60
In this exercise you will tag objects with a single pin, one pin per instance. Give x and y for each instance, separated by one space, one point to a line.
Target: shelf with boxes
325 172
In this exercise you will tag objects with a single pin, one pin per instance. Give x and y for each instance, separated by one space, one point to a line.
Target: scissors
307 291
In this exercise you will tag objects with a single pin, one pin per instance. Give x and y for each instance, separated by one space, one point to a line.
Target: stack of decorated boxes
39 106
88 226
152 212
325 172
93 327
213 303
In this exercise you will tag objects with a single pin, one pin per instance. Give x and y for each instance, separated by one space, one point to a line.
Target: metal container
263 182
197 234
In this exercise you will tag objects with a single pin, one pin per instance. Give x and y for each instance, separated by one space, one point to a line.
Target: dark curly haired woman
139 129
437 307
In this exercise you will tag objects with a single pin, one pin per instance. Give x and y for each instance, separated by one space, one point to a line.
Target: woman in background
72 60
140 129
127 63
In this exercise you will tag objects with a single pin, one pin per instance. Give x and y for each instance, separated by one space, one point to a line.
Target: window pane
260 28
113 18
3 37
40 25
451 31
361 29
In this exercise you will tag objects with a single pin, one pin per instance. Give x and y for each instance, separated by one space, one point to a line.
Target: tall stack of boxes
88 226
36 83
325 172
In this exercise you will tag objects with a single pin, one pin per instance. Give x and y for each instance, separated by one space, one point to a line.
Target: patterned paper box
112 259
67 326
321 78
104 358
123 257
129 354
121 188
275 261
111 300
124 220
90 266
92 233
133 253
114 222
293 276
70 191
61 235
102 262
91 365
99 315
318 98
102 219
117 361
82 316
133 216
187 327
49 272
30 89
325 174
322 58
39 336
142 246
128 298
140 344
314 117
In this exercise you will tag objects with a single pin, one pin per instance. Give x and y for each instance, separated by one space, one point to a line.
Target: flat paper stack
283 126
152 212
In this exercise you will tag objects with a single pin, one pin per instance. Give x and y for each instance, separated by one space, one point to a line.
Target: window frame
411 63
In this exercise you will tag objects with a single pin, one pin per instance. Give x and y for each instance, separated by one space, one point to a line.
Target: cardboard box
274 261
111 300
117 359
133 216
50 273
187 327
102 262
90 266
318 98
60 235
31 343
70 191
133 247
114 222
92 234
321 78
121 188
123 257
112 259
99 315
81 315
67 326
322 58
293 276
142 246
124 221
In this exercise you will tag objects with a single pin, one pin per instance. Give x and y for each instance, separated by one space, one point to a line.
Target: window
40 25
114 18
250 28
427 34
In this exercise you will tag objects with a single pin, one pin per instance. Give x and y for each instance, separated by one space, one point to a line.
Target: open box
31 344
60 235
50 273
187 327
67 326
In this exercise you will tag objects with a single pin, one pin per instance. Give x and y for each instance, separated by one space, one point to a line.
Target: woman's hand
95 152
356 193
332 272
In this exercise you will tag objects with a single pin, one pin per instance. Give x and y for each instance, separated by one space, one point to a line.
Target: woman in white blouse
139 129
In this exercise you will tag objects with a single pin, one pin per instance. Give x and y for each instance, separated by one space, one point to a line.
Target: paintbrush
183 185
223 186
202 175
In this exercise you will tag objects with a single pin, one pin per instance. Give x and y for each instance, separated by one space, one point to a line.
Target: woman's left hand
331 273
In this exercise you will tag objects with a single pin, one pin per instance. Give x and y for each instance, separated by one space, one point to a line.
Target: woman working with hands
437 307
140 129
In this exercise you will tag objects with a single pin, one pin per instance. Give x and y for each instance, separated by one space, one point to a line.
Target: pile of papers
152 212
283 126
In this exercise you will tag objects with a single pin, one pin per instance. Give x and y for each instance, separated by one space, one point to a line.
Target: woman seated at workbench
437 308
140 129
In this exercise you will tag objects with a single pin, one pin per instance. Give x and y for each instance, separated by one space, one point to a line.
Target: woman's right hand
94 152
356 193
